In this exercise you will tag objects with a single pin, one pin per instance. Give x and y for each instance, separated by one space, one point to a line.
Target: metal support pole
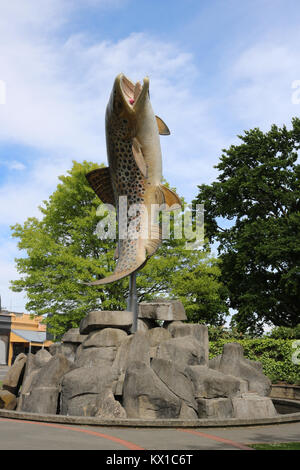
132 304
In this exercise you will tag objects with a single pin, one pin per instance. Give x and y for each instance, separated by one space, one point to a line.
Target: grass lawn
277 446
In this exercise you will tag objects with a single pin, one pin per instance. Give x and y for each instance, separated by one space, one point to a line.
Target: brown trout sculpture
134 171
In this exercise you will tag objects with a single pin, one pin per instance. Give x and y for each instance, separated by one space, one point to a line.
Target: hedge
275 355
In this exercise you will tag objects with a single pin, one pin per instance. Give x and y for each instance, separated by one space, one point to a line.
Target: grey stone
66 349
42 357
41 393
52 372
87 391
187 412
253 406
120 362
145 396
183 351
97 320
134 347
73 336
209 383
33 365
105 338
90 357
108 407
175 380
8 401
139 349
43 400
179 329
118 389
157 335
84 380
31 369
215 408
13 379
214 362
232 362
166 310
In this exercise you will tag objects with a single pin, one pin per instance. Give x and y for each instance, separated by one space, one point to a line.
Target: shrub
283 332
275 355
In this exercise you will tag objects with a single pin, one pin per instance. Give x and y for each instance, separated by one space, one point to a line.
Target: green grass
277 446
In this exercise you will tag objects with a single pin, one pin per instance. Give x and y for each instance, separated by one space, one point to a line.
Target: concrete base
163 423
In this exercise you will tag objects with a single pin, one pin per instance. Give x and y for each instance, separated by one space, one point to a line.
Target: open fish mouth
134 94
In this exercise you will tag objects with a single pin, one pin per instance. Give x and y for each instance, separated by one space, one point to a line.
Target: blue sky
216 68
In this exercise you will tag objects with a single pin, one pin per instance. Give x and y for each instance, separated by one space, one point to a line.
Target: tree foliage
253 212
62 249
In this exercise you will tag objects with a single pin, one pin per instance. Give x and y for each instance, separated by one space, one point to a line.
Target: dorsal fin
162 127
170 198
100 182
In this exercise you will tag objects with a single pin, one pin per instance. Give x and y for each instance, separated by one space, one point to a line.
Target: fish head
127 98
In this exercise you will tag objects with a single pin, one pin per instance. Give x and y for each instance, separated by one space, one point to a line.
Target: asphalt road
29 435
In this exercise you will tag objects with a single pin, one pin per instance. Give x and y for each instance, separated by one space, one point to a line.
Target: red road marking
217 438
129 445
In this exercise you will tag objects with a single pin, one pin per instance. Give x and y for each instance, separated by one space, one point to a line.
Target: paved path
18 434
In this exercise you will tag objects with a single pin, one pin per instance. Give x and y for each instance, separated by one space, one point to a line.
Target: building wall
3 349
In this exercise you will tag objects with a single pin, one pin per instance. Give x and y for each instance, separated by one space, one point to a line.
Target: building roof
31 336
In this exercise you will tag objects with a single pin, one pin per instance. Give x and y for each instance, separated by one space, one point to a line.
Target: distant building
20 333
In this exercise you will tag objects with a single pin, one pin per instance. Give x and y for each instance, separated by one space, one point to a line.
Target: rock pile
160 372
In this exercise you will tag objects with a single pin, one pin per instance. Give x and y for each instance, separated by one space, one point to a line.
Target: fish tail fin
132 257
117 275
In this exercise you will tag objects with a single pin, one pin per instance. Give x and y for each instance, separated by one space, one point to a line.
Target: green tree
253 212
62 249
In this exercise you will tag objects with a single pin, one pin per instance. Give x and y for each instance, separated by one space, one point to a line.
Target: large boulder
8 401
100 348
166 310
209 383
88 391
156 336
98 320
33 365
178 329
66 349
106 337
43 393
134 347
253 406
233 362
91 357
13 379
219 408
73 336
175 380
183 351
145 396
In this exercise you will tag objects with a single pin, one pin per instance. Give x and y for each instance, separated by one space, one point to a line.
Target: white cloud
13 165
262 78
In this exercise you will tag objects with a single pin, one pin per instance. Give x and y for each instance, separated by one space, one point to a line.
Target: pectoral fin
170 198
139 157
100 182
162 127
